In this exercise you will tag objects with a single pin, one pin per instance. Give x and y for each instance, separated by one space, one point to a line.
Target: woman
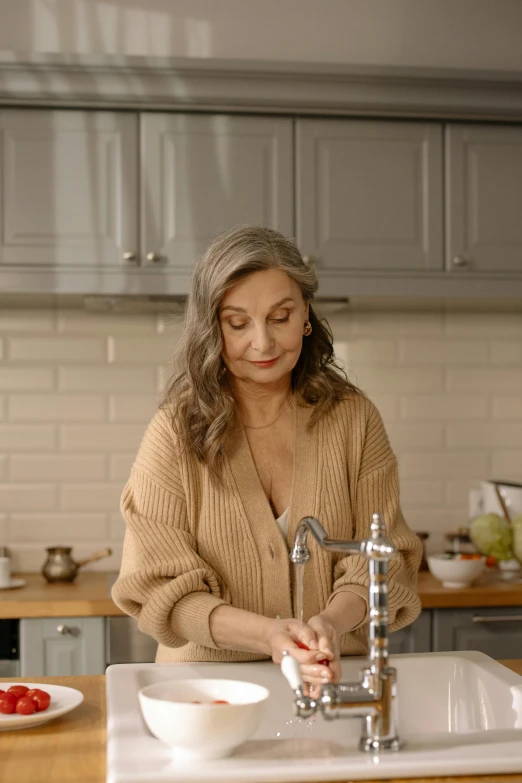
257 430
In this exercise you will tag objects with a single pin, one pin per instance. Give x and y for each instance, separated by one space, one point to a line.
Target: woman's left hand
328 643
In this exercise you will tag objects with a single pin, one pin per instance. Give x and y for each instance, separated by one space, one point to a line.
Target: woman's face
262 321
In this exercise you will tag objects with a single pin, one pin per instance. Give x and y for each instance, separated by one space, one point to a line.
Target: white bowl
202 731
453 572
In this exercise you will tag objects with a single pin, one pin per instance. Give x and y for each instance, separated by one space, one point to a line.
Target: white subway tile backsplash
398 380
426 351
484 324
483 381
140 350
443 407
422 493
63 528
90 497
507 352
120 467
397 323
507 465
36 321
27 437
57 468
14 378
490 436
420 436
107 379
78 388
508 407
27 497
444 464
117 526
57 349
57 407
83 322
100 437
132 407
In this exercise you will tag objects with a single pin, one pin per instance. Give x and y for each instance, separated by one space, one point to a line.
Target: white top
282 521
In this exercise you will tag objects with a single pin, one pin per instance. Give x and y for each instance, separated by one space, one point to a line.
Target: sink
459 713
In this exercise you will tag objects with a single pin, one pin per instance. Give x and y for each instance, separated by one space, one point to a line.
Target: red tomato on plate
25 706
7 703
18 690
40 699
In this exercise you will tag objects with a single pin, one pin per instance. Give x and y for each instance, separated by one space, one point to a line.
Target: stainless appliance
9 650
125 643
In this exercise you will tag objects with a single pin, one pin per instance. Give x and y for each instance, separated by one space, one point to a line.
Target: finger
308 636
326 646
304 657
316 674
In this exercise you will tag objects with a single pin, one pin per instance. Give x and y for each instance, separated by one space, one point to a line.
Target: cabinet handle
63 630
154 258
460 261
129 255
504 618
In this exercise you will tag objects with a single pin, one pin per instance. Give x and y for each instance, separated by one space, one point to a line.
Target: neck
260 403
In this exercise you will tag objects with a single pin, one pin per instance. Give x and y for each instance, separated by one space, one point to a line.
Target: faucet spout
374 697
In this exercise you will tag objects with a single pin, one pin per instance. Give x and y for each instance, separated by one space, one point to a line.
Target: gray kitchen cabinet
415 638
495 631
369 194
62 646
483 197
69 183
204 174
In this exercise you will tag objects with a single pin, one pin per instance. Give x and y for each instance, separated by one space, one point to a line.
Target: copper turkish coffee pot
60 566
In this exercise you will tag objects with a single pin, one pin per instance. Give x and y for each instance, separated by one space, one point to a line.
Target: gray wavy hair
198 395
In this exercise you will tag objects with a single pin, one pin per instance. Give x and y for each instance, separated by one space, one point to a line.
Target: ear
307 310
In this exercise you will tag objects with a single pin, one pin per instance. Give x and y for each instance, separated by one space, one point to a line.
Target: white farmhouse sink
459 713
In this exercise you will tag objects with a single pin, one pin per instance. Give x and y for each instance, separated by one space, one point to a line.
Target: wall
77 389
439 33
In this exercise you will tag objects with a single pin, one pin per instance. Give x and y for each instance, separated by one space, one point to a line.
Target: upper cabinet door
203 174
484 198
69 187
369 194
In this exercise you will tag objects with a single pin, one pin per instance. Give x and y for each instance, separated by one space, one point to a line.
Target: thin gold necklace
263 426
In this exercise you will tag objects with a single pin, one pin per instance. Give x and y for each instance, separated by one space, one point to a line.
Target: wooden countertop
489 590
72 749
89 596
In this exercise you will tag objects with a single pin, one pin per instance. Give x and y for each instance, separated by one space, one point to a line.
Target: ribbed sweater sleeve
377 490
163 582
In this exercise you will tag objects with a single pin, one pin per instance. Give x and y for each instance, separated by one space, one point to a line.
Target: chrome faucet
373 698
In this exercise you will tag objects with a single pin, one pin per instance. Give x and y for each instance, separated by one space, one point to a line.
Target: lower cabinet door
62 646
495 631
415 638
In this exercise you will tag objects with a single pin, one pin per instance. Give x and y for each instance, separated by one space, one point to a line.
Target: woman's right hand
283 635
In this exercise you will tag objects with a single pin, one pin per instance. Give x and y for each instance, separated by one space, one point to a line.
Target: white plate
13 583
63 700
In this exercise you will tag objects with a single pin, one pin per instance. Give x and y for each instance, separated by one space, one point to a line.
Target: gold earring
307 331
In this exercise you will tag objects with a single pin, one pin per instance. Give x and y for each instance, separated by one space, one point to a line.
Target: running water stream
299 575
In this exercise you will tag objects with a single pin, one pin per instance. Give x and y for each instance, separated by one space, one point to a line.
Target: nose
262 340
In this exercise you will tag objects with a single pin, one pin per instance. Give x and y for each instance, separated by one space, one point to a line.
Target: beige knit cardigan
191 545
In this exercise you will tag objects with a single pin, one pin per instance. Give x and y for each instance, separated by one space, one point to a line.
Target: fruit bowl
203 719
456 570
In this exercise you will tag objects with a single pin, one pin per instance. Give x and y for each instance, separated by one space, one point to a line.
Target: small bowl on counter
457 570
203 719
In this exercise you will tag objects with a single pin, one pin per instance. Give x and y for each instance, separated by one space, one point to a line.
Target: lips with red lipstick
268 363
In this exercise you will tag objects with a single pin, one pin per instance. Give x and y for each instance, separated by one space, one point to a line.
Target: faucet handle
291 669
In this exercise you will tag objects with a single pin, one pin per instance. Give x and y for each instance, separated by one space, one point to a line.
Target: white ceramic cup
5 571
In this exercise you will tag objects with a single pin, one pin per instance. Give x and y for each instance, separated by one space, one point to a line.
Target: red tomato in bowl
25 706
219 701
40 699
